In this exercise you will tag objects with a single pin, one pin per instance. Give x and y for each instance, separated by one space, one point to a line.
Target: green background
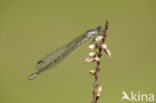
29 29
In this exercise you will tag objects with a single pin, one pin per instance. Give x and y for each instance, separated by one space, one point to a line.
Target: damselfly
57 55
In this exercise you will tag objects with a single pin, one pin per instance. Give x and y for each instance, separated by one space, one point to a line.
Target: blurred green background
29 29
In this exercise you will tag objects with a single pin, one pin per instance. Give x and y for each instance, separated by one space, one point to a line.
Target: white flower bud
104 46
89 59
92 54
100 89
92 46
99 92
98 95
97 59
108 53
92 72
99 38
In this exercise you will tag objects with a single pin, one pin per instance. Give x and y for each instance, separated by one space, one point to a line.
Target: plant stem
96 75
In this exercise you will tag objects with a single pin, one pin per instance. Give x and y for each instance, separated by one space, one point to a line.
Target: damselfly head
99 28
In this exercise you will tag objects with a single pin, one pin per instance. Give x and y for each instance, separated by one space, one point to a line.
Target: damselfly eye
99 28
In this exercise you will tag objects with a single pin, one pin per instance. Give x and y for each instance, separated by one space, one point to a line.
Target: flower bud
99 92
92 72
108 53
92 54
100 89
99 38
98 95
92 46
97 59
103 46
89 59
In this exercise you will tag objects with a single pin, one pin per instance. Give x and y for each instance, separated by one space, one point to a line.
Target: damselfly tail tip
32 76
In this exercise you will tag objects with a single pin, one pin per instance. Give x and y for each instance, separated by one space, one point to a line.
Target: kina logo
138 96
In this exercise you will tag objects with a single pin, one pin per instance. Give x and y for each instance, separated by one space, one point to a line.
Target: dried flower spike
96 56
